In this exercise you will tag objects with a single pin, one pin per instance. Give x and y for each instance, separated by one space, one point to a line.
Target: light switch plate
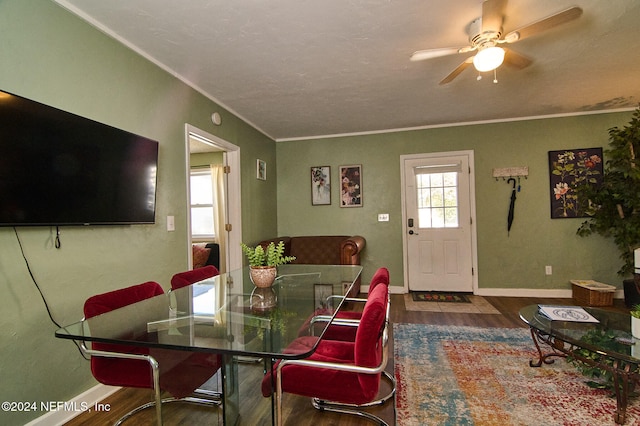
383 217
171 223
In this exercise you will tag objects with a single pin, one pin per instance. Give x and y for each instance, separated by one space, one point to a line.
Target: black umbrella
512 205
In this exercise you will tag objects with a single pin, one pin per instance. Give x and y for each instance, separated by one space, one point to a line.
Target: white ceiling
304 68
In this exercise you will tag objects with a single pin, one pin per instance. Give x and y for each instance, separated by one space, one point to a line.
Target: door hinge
227 169
227 227
473 272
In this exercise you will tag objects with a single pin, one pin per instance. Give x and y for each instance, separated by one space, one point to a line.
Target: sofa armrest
350 250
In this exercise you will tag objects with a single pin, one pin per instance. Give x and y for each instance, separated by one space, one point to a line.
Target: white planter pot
635 327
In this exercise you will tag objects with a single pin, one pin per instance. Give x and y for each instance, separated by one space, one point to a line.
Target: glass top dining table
228 315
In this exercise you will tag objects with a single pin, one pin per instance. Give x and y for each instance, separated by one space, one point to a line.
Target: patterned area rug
438 296
450 375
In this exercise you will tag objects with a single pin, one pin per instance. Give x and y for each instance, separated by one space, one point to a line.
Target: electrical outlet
548 270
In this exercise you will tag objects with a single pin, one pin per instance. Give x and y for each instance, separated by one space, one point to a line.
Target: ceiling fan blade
544 24
515 59
421 55
493 15
456 72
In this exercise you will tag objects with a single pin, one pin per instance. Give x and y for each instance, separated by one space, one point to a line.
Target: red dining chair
339 376
177 372
346 321
187 278
346 329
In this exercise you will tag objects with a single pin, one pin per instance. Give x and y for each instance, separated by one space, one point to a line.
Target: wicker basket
592 293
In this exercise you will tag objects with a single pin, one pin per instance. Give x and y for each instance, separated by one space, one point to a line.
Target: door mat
478 305
438 296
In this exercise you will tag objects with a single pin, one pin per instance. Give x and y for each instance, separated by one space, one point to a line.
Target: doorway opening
216 216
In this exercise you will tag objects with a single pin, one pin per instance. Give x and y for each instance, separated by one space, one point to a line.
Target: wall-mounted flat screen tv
57 168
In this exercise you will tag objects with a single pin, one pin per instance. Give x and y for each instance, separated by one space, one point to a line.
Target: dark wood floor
298 410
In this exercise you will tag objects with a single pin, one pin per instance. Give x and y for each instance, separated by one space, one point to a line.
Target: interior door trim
234 205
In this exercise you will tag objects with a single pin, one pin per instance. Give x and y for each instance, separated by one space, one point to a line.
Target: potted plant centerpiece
614 206
263 263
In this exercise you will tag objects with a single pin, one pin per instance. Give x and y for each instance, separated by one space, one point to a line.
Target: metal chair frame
203 396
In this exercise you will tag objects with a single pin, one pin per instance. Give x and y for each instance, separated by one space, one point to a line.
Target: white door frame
234 205
472 211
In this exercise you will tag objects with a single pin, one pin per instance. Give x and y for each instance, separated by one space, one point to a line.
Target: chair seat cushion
343 332
183 372
311 381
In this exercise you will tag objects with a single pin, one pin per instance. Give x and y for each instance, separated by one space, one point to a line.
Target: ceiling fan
486 36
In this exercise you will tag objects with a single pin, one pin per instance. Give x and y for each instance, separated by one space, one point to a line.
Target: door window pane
437 200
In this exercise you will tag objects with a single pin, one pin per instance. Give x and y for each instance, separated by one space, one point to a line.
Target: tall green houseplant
614 206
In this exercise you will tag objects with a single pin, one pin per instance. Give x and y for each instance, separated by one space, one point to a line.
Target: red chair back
184 279
368 343
380 277
106 302
114 371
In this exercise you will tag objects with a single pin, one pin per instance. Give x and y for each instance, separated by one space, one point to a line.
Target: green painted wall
53 57
515 261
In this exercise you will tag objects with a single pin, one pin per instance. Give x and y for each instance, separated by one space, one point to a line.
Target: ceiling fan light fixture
488 59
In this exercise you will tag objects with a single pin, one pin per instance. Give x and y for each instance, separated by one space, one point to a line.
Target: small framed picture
261 170
321 293
351 186
320 185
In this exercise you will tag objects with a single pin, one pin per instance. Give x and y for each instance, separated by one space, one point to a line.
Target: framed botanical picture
568 169
351 186
261 170
321 293
320 185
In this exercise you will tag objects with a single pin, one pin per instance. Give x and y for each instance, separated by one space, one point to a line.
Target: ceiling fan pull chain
495 76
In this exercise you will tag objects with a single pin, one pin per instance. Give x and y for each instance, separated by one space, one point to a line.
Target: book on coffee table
566 313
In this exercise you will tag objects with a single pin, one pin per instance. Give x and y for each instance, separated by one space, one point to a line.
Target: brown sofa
324 250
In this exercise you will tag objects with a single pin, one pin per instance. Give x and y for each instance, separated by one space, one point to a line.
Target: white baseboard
512 292
86 399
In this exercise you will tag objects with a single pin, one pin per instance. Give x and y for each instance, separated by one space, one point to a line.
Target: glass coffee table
606 344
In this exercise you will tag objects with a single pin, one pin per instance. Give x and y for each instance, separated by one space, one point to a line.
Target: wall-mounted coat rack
511 172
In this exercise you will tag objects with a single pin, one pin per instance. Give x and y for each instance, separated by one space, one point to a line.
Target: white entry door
438 216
